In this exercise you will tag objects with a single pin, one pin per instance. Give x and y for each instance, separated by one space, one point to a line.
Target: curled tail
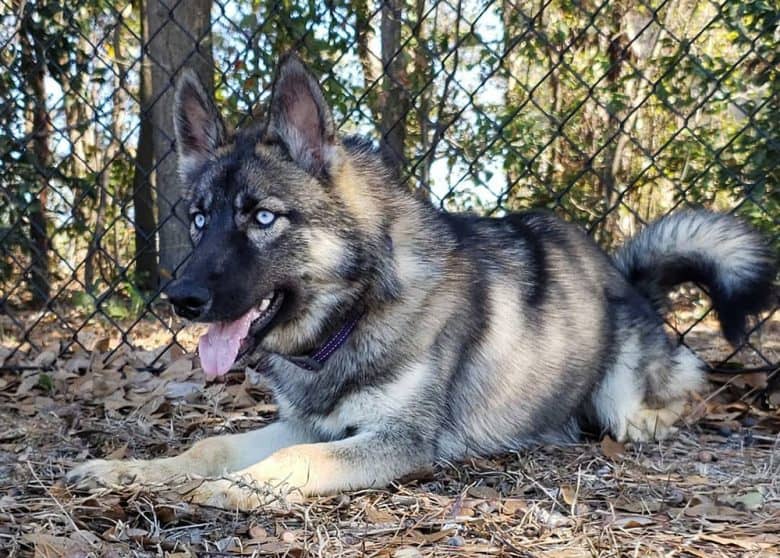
722 253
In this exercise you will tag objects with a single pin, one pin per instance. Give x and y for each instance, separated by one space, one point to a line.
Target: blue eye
199 220
264 217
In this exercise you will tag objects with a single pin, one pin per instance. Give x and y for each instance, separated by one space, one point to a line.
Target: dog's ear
198 124
300 118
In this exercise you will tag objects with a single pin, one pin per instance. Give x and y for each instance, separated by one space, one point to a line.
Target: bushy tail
730 259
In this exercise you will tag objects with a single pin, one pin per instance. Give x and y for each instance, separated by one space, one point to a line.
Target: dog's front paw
104 473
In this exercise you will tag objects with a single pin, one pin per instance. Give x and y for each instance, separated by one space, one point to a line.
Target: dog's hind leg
366 460
668 384
209 457
644 393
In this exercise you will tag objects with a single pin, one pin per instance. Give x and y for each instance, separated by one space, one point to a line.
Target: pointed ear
300 118
199 127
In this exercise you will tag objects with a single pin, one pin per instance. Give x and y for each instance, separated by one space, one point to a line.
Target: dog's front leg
364 461
209 457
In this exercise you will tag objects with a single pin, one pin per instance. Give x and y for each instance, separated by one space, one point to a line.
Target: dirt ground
713 490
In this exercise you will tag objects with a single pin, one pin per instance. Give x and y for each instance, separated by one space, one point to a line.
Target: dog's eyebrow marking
245 201
201 202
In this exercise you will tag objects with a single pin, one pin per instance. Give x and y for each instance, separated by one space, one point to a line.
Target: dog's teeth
265 304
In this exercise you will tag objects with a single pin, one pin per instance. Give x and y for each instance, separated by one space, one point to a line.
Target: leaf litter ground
713 490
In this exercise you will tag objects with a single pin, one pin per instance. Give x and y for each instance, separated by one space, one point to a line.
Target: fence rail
610 113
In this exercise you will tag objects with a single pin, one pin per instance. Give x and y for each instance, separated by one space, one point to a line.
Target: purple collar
316 361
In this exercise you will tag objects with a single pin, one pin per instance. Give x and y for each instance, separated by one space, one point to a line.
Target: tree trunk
422 64
40 132
513 96
181 37
550 164
368 61
40 284
143 196
395 96
74 117
97 251
615 51
90 260
620 125
95 218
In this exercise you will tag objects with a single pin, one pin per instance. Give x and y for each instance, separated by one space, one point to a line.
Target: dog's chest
336 405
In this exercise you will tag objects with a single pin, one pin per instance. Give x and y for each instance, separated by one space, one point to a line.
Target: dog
394 335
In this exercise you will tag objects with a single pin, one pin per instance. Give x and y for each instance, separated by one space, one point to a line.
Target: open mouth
267 309
225 343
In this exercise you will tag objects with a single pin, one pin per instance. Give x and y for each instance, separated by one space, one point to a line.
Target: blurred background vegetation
609 112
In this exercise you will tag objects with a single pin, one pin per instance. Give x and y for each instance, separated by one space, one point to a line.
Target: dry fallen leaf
483 492
183 390
714 512
568 494
612 449
512 506
751 544
51 546
258 533
46 358
750 501
102 345
376 516
180 369
118 453
30 380
632 521
637 505
407 552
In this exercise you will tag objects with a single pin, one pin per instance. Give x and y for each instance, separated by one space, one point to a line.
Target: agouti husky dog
393 334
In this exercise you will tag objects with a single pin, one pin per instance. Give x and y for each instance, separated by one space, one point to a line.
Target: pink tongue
218 347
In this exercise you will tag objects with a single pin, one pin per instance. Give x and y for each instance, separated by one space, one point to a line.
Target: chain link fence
610 113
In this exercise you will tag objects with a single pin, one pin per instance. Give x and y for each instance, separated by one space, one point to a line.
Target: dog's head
272 219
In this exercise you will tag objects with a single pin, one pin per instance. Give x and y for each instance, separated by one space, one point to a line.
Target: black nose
189 299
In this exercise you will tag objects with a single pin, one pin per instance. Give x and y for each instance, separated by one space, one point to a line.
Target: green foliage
45 382
751 168
248 43
637 123
119 301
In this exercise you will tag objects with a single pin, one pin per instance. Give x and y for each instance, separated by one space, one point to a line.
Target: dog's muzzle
190 300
